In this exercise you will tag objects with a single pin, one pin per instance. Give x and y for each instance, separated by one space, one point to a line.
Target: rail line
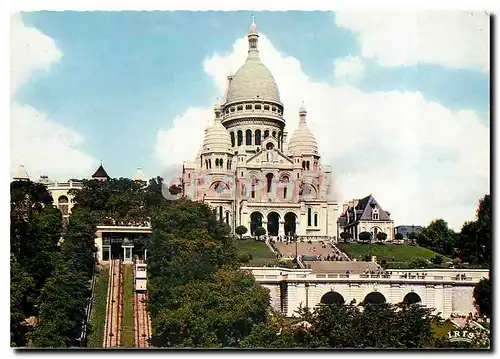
142 321
112 328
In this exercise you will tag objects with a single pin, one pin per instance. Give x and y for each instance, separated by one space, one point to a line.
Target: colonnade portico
267 219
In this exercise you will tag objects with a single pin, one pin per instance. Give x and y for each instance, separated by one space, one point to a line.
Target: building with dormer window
365 215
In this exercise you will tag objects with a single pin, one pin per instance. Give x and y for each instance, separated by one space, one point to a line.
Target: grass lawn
127 336
401 252
259 250
98 315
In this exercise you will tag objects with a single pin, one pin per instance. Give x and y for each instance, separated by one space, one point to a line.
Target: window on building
221 162
315 219
248 136
239 108
274 134
307 165
269 177
227 218
240 138
309 216
220 213
257 137
285 190
232 139
375 216
248 107
209 163
258 107
266 133
253 189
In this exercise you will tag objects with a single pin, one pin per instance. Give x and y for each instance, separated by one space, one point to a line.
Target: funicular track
112 328
142 320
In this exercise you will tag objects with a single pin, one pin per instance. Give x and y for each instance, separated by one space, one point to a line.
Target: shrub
241 230
437 259
365 236
259 231
381 236
399 236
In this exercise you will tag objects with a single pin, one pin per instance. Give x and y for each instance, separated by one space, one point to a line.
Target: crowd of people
109 221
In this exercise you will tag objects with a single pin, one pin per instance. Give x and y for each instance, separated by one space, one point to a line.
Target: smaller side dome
21 174
217 138
303 141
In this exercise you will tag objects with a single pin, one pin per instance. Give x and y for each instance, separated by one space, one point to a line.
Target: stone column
281 228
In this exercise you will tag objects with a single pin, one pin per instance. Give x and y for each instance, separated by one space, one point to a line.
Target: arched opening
274 134
269 178
227 218
412 298
307 165
315 219
248 135
273 223
63 204
254 183
216 162
232 138
206 164
375 298
270 146
255 221
285 181
266 133
303 165
240 137
332 298
257 137
309 216
221 162
290 223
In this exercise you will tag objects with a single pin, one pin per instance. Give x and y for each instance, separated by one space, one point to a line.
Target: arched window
221 162
216 162
315 219
220 214
257 137
248 136
285 190
227 218
307 165
274 134
206 164
209 163
309 216
232 138
266 133
240 137
269 177
303 165
254 181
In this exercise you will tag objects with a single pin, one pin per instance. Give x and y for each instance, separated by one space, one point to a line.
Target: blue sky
124 76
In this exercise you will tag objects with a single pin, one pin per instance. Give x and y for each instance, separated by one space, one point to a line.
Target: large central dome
253 80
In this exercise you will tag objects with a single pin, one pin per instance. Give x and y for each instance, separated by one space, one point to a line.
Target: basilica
250 172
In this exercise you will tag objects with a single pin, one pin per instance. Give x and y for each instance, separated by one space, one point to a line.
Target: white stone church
250 172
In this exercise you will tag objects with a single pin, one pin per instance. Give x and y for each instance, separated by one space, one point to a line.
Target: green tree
398 236
21 295
418 263
439 237
217 313
240 230
260 231
381 236
345 235
365 236
482 297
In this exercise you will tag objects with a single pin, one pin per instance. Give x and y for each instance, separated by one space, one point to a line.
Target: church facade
250 172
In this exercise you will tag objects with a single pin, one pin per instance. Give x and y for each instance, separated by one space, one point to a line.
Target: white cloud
418 158
349 68
456 39
42 146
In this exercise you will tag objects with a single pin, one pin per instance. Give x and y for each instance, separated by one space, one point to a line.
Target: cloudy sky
399 102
